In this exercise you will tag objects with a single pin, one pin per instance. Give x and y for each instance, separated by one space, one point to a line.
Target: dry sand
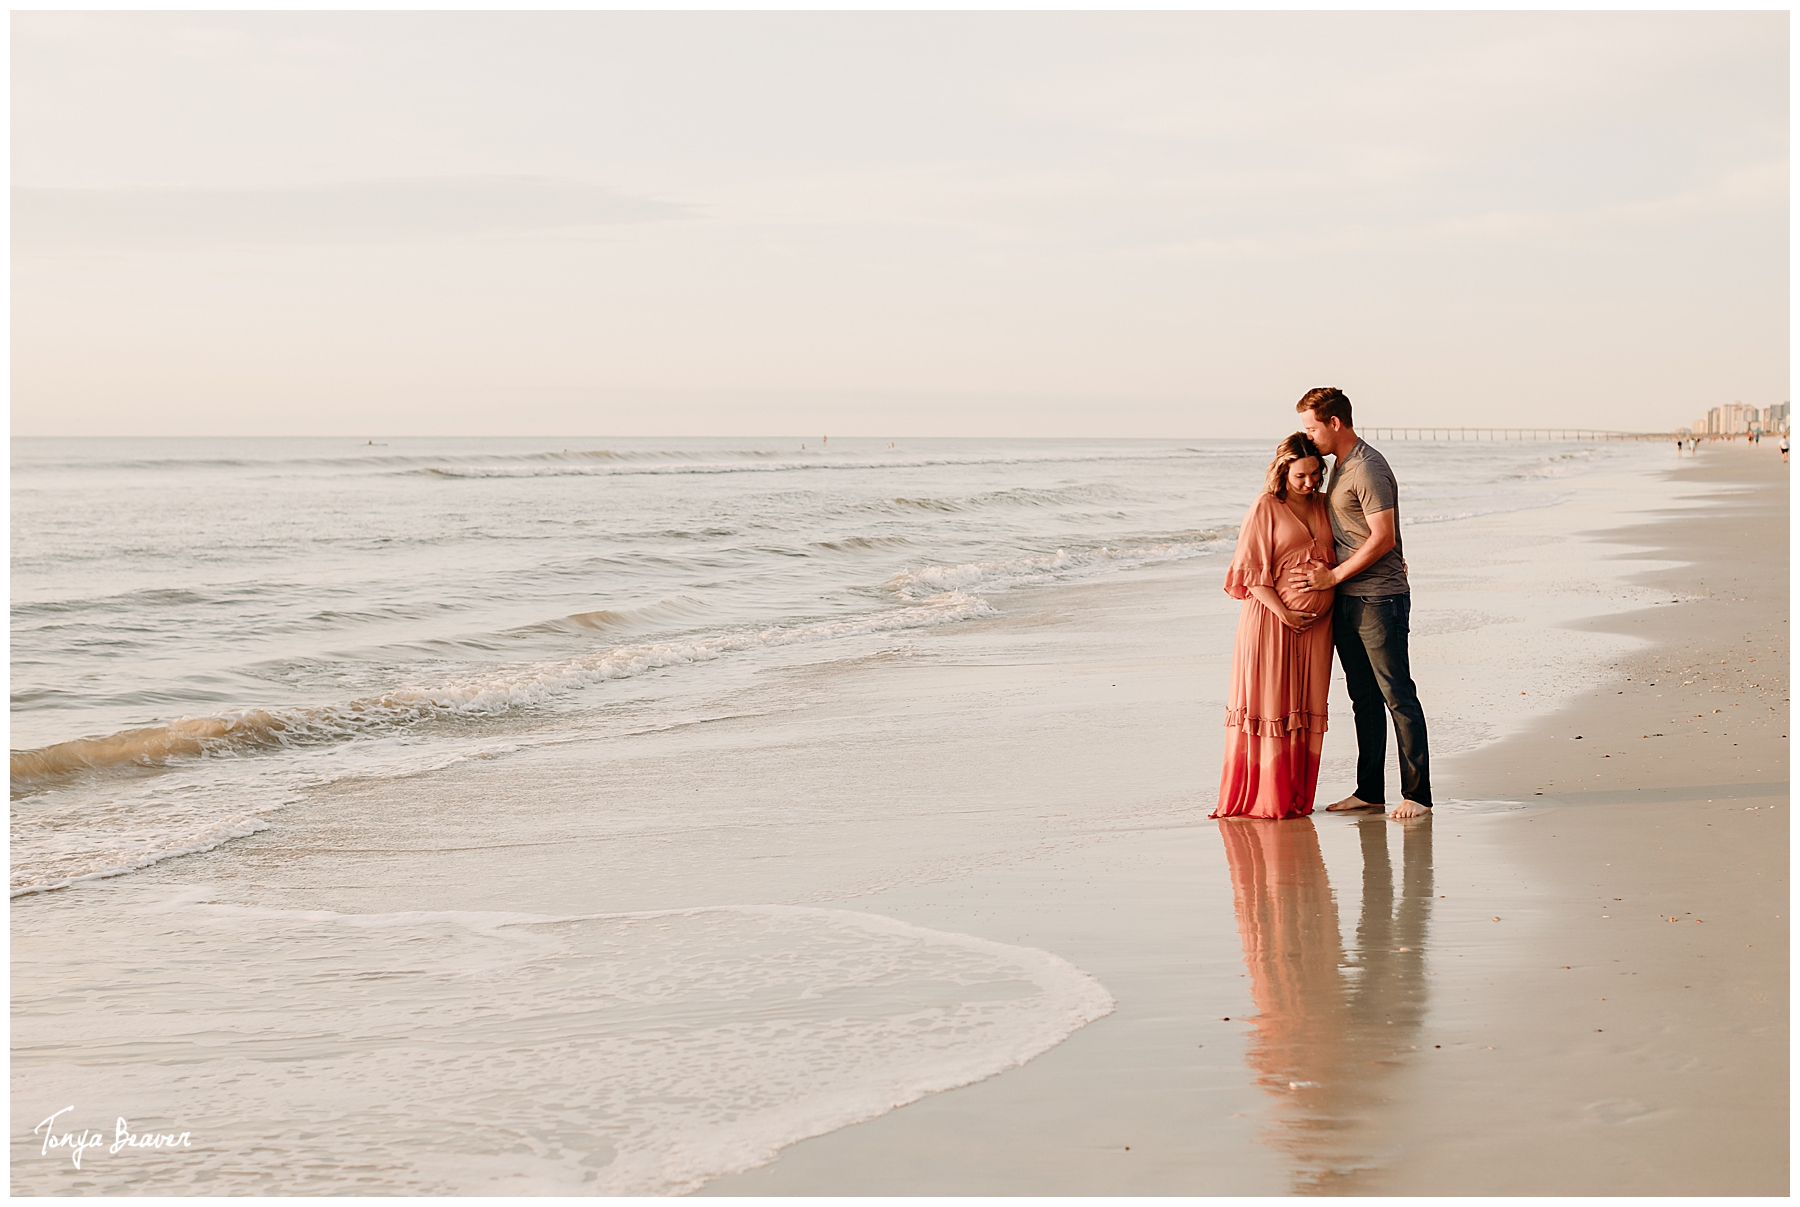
1586 994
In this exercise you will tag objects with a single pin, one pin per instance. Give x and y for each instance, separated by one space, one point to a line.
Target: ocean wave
1513 504
72 841
1021 496
929 504
152 744
486 693
1560 464
446 468
553 463
863 544
389 461
1001 574
676 610
153 597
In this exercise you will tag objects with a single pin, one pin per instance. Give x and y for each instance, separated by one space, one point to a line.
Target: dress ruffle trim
1274 727
1238 581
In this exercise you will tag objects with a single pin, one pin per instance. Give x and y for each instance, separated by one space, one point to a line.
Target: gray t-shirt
1361 484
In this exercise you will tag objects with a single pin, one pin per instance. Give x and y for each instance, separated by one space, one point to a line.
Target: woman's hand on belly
1298 619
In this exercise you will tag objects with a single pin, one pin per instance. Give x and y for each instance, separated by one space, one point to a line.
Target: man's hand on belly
1314 576
1381 539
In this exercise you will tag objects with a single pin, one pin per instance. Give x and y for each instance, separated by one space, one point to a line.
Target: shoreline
1663 838
1571 1024
1719 648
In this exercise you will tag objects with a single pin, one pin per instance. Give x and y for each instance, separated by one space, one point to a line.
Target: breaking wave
487 693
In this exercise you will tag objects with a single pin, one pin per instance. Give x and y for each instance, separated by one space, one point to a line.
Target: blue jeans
1370 633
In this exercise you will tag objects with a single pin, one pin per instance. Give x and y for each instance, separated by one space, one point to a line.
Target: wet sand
1642 1043
1572 979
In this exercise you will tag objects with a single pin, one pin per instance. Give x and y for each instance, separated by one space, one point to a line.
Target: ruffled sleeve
1254 563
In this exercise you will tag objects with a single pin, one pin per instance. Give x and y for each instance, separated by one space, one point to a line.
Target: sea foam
493 1053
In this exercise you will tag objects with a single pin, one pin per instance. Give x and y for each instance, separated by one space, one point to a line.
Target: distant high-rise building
1775 418
1733 419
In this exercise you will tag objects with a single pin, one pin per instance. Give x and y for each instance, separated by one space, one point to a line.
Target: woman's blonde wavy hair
1287 452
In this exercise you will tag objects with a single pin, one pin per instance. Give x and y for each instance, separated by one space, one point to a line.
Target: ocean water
534 839
204 630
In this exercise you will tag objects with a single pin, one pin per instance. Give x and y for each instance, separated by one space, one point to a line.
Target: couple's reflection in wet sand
1333 1026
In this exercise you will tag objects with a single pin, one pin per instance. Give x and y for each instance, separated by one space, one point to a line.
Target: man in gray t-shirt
1370 619
1362 485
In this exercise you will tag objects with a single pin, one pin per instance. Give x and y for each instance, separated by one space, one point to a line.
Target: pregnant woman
1281 666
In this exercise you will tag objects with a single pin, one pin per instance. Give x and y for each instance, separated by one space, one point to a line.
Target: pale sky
908 224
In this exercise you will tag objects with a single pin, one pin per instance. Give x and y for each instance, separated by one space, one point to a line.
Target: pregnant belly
1301 599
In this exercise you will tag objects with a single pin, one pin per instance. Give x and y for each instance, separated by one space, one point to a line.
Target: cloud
370 211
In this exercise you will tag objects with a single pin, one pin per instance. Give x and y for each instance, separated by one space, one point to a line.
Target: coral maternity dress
1280 679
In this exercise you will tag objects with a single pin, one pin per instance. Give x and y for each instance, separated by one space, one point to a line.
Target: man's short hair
1328 403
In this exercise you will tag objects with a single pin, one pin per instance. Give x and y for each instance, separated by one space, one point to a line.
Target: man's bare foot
1408 808
1354 804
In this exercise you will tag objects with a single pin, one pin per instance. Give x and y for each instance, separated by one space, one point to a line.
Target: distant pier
1510 433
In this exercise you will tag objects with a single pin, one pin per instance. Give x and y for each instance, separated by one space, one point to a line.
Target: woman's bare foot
1354 804
1408 808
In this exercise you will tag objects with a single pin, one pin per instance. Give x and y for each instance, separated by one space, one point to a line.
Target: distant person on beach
1374 604
1281 664
1784 448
